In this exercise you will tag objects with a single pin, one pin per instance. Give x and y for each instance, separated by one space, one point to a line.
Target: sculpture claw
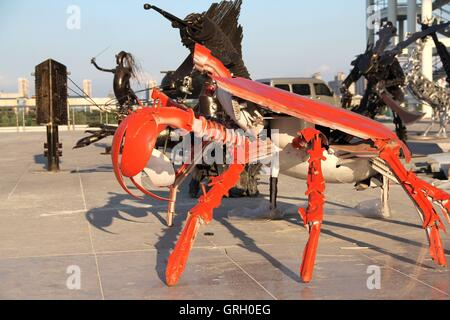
141 133
115 154
135 139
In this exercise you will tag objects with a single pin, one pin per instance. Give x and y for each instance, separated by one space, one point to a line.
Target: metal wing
226 15
294 105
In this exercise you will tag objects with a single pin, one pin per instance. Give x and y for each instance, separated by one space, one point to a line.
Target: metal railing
23 117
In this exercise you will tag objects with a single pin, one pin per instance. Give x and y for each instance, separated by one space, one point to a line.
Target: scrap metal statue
308 154
385 79
426 90
305 153
219 30
125 70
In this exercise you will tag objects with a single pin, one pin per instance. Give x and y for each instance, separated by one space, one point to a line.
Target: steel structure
135 139
404 14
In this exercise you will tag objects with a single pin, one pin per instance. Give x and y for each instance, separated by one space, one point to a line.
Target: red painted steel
419 193
136 137
303 108
313 215
201 213
205 62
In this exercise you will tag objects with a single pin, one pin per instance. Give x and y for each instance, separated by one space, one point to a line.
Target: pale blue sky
281 38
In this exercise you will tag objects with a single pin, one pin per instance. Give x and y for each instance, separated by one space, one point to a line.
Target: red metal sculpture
136 137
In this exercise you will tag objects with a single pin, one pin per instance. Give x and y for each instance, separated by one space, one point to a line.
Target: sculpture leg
400 128
181 176
273 136
313 215
420 192
254 171
171 207
201 213
274 214
274 173
273 192
194 185
444 128
442 123
428 129
385 206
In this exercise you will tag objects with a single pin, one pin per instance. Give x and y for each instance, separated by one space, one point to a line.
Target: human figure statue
123 73
125 70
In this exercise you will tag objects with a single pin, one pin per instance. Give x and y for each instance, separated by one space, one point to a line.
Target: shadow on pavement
361 243
95 170
250 244
103 217
40 159
424 148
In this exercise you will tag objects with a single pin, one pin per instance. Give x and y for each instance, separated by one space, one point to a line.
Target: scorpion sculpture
135 139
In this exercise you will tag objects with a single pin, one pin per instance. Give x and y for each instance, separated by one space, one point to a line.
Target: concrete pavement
81 217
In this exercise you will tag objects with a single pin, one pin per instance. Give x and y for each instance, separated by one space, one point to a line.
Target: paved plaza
80 217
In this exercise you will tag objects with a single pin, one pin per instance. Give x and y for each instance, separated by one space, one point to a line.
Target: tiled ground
81 217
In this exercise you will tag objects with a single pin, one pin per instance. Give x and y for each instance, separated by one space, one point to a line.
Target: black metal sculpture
424 89
123 73
51 103
219 30
125 70
441 50
385 79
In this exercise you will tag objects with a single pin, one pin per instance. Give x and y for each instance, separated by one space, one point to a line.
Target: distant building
336 84
8 95
356 89
23 87
87 87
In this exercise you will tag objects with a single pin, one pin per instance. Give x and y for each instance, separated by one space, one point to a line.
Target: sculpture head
126 60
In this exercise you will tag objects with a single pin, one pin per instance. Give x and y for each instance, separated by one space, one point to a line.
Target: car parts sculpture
385 79
376 148
426 90
219 30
